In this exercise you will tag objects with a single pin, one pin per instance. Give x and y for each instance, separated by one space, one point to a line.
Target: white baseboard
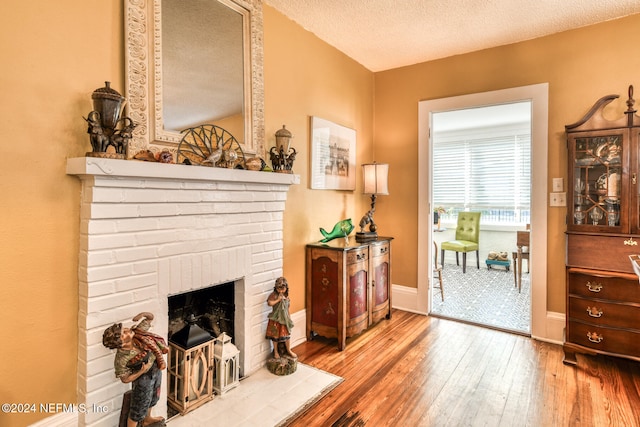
299 331
555 324
405 298
63 419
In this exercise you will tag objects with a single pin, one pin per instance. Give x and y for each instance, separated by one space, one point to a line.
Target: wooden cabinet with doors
348 287
603 230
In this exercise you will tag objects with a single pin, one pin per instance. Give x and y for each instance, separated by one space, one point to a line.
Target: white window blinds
486 173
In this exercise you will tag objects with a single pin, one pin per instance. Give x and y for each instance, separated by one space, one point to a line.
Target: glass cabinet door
597 182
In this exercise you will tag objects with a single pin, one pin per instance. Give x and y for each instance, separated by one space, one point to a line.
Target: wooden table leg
519 269
514 255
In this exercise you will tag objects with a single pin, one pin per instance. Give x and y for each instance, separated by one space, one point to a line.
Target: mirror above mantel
194 63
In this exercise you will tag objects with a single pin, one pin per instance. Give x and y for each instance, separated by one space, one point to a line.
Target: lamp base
366 236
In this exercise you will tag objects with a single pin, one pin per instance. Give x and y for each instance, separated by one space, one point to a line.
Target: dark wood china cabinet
603 230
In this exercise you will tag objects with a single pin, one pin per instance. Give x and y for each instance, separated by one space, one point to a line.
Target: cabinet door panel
357 299
381 286
357 292
324 291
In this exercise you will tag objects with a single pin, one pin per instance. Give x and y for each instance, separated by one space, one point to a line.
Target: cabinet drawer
600 252
604 339
604 313
379 250
357 255
604 287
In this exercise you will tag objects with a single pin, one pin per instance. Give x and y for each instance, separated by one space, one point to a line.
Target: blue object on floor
506 264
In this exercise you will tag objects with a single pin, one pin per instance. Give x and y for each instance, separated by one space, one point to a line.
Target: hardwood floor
416 370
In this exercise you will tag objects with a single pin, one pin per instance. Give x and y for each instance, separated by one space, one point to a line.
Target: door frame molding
538 94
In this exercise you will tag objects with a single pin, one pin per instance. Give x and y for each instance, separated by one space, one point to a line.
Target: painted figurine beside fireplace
139 360
279 330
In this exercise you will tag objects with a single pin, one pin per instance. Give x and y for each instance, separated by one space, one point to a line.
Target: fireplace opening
195 319
212 307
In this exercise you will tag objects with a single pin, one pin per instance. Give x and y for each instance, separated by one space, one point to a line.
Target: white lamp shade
376 178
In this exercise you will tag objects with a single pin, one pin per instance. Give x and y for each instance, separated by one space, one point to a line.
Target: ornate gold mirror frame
143 68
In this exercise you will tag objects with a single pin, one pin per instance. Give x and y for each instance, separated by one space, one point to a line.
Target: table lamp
376 182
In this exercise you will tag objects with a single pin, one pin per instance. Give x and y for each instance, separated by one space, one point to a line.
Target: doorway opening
537 96
481 162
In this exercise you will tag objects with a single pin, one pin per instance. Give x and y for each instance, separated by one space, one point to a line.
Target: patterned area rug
485 297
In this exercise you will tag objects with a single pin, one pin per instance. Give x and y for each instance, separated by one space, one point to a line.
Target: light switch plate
557 199
558 185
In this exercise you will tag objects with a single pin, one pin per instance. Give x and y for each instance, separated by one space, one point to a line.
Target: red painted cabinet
347 287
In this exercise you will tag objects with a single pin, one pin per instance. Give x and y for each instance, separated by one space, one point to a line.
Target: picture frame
333 156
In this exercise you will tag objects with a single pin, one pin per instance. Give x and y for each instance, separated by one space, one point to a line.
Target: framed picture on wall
333 156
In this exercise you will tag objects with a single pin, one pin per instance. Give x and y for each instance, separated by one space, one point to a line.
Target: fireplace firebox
213 309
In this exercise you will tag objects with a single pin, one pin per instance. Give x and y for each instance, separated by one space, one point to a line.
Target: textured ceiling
386 34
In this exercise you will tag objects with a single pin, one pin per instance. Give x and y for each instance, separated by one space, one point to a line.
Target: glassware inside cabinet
597 175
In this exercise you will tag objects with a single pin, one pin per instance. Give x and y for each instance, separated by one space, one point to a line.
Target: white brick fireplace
151 230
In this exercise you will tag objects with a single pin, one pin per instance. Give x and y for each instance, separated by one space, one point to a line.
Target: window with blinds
484 169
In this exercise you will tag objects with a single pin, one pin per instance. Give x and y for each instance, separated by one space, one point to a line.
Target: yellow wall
54 54
305 77
580 66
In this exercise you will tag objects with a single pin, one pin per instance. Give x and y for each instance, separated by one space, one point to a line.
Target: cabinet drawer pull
594 312
630 242
594 337
594 287
384 250
360 257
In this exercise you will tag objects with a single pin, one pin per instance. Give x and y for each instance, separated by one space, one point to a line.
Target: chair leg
441 288
458 259
464 262
442 258
478 259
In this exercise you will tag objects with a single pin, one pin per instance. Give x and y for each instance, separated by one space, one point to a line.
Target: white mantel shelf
96 166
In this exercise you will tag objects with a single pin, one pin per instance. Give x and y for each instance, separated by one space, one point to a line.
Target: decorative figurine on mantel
107 140
283 156
139 360
284 361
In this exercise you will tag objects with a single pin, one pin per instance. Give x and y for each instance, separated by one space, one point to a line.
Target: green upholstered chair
467 237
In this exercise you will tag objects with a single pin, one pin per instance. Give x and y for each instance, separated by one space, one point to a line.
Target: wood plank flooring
415 370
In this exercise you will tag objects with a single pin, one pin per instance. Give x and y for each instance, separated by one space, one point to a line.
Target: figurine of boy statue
139 360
